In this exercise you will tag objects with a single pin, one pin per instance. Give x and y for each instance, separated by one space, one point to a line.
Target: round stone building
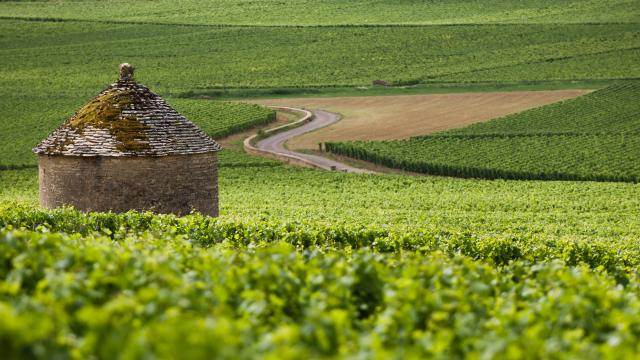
128 149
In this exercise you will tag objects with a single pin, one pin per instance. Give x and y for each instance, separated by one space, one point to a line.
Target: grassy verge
294 122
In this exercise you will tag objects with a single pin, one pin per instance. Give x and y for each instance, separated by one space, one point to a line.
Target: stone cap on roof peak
126 72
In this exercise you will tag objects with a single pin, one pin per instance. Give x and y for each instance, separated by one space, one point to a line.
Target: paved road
276 142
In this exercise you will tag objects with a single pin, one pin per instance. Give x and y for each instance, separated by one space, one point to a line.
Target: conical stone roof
127 119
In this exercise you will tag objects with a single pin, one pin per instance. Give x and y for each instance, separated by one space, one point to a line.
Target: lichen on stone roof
105 112
127 119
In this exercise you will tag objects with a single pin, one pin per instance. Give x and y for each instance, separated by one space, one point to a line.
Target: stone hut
128 149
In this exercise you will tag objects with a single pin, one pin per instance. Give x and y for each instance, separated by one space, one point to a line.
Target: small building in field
127 149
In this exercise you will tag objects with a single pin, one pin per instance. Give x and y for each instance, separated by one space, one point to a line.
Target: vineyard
331 12
307 264
219 119
47 71
561 157
252 57
593 137
256 189
142 285
302 265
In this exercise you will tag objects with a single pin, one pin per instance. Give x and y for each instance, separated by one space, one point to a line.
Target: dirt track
397 117
275 144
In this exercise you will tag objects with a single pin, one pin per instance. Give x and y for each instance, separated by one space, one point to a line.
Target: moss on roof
102 110
105 112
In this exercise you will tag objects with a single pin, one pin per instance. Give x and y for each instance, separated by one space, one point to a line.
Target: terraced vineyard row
568 67
219 119
592 137
618 255
558 157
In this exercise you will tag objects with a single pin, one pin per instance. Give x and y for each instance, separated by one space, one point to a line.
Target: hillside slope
331 12
592 137
304 263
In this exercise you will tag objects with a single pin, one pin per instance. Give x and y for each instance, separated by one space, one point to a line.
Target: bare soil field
398 117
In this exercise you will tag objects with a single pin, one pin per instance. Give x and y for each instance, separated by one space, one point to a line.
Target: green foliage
553 270
255 189
593 137
329 12
19 185
561 157
302 263
24 123
248 165
219 119
164 296
497 222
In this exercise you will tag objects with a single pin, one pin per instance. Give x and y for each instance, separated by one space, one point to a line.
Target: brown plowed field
398 117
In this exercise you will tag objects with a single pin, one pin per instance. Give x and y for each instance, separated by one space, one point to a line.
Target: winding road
275 144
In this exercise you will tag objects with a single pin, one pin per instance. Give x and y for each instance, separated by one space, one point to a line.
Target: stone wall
164 184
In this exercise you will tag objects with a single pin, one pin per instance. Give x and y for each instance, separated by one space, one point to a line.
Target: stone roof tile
127 119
